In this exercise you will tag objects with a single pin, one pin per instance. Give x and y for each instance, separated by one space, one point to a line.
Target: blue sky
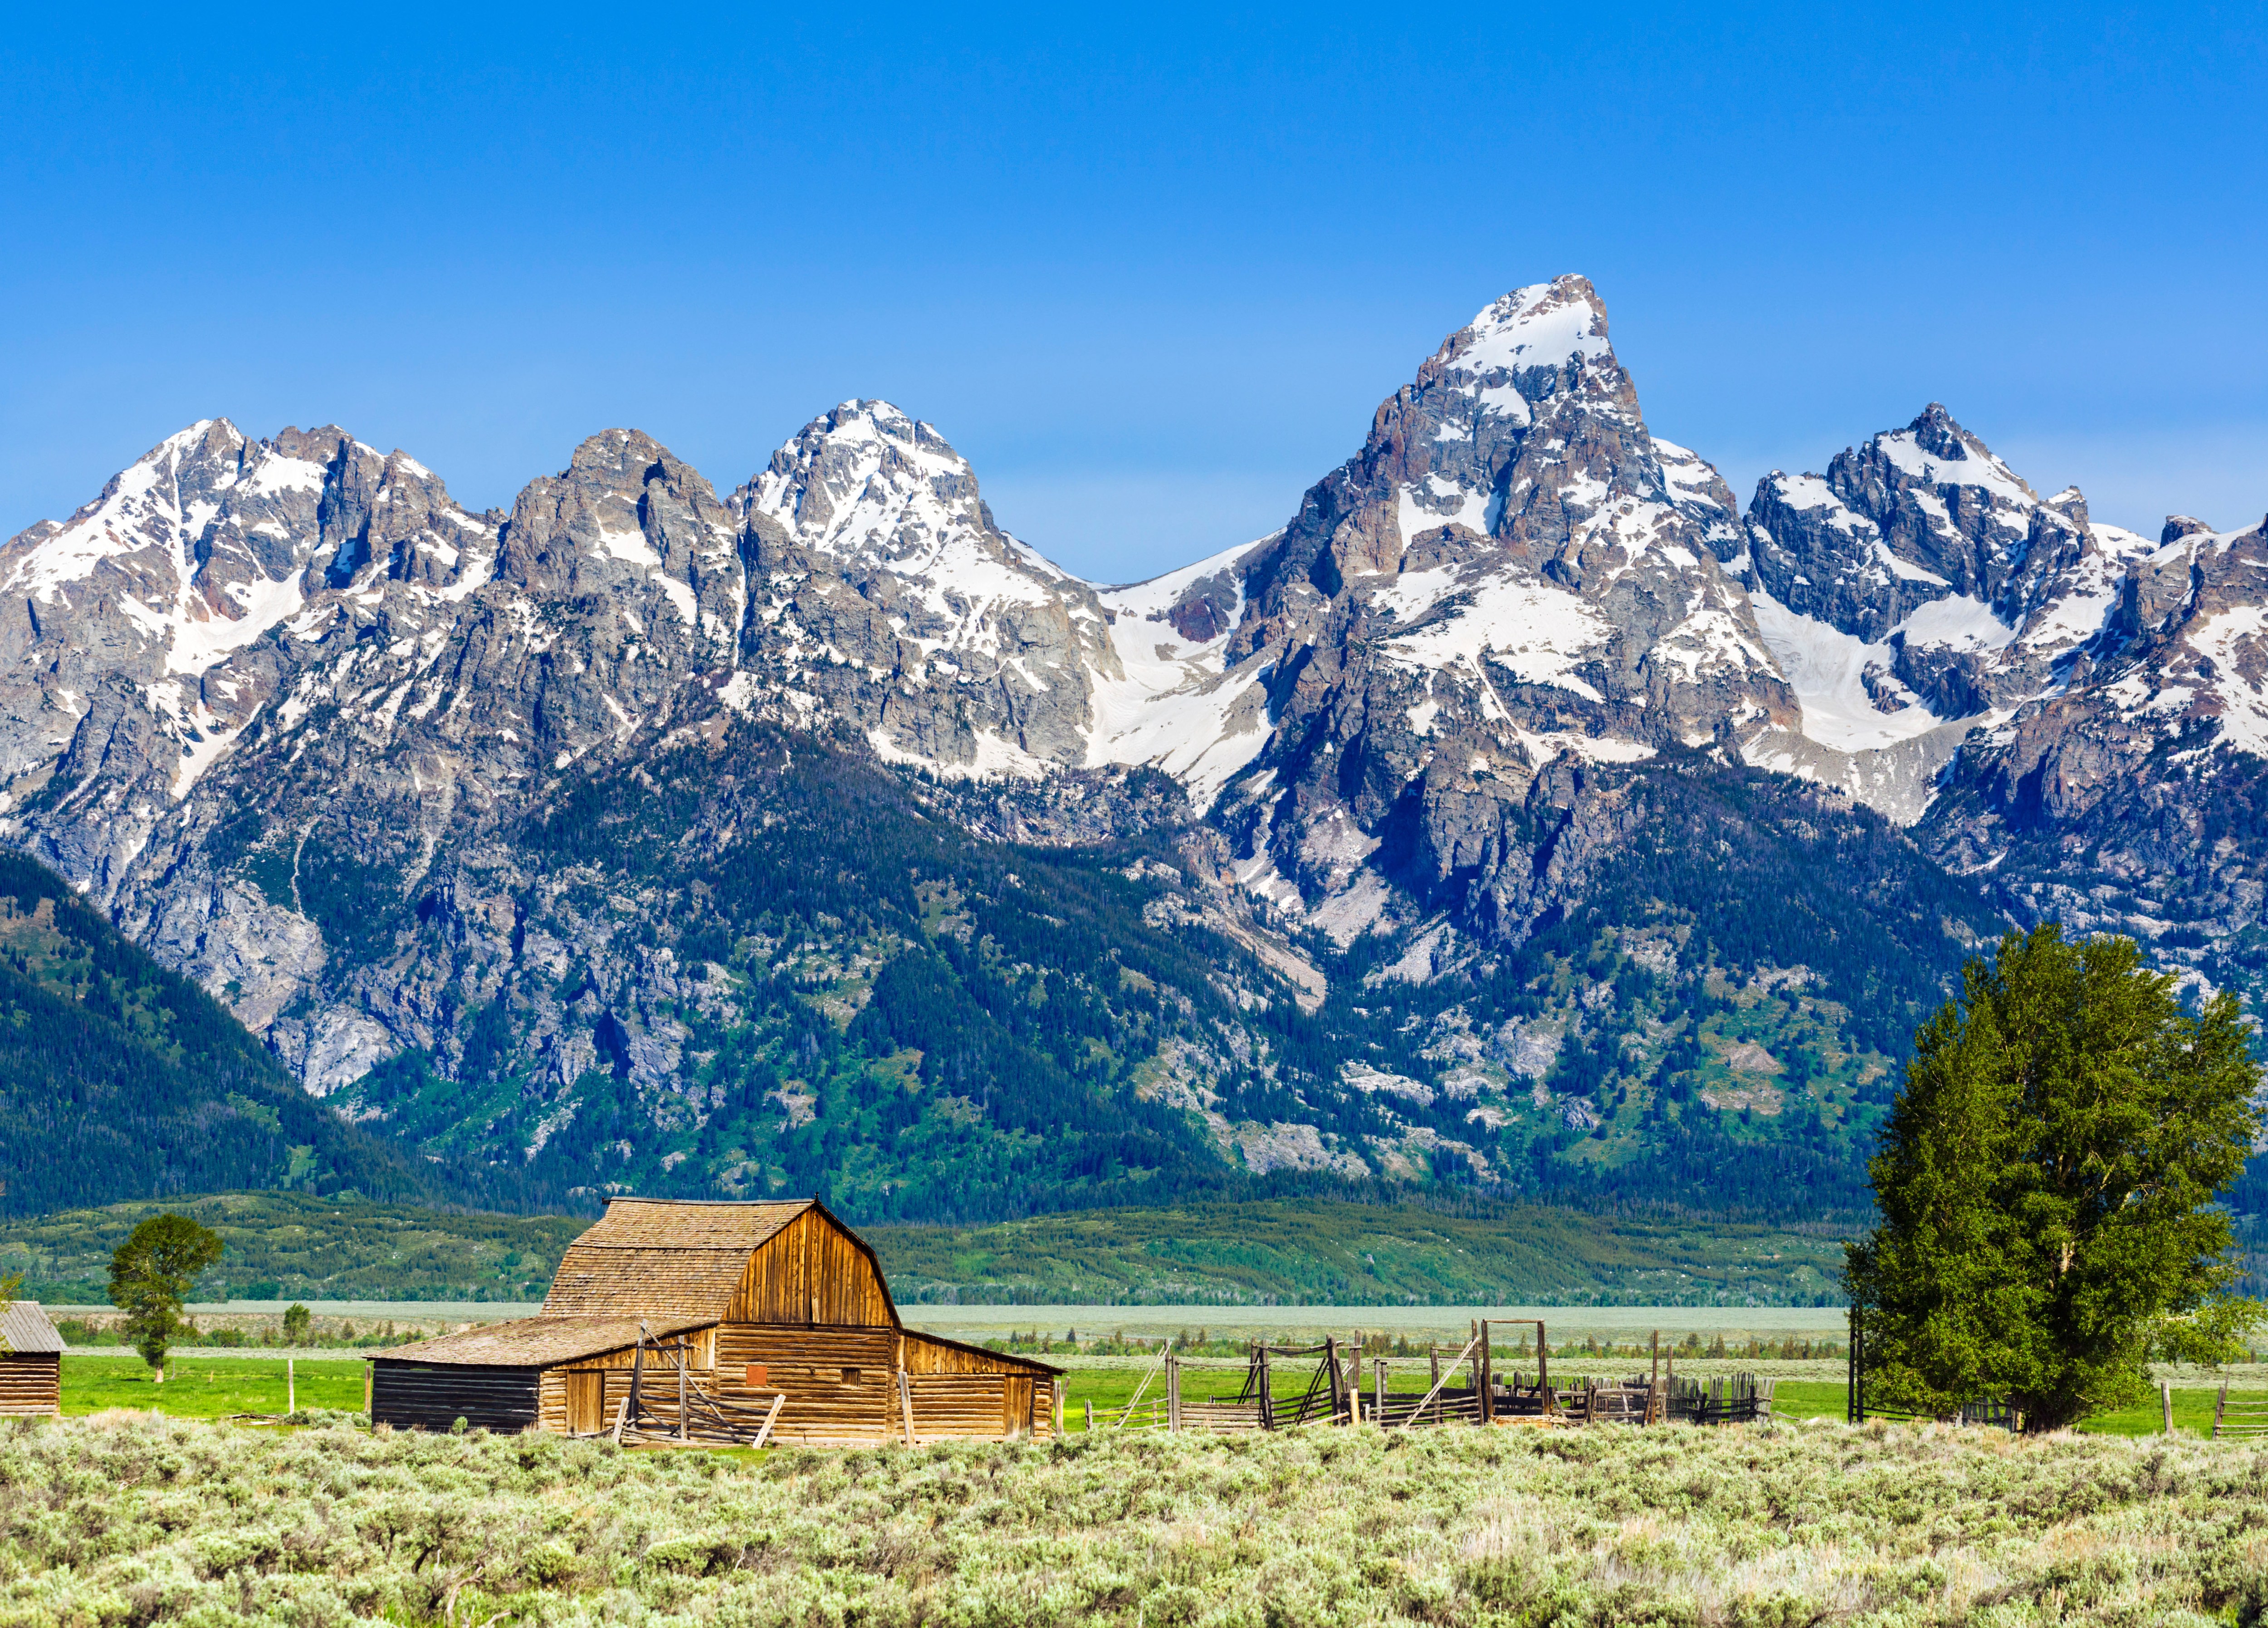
1151 271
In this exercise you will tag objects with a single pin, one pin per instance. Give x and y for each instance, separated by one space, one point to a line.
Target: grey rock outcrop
261 697
1510 571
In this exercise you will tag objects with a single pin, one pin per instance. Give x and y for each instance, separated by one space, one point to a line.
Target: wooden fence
2243 1414
1465 1390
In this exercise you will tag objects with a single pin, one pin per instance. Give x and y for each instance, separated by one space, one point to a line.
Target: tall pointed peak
1542 325
616 449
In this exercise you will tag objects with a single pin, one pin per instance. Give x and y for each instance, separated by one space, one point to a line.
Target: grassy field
131 1519
1320 1253
214 1387
294 1246
202 1387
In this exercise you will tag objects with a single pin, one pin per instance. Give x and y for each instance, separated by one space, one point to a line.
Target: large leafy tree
150 1277
2046 1182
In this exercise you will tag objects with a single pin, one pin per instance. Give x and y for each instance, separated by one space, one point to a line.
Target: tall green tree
150 1277
2046 1185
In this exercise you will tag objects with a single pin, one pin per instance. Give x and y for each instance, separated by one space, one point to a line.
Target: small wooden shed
763 1300
547 1372
32 1367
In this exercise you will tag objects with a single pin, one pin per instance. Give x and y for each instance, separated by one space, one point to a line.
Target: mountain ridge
337 747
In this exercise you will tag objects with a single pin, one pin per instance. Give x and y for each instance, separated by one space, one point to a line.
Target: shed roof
540 1342
681 1257
24 1328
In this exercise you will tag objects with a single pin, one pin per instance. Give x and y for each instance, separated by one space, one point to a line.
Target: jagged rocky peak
1915 516
1509 569
1921 590
886 595
868 481
627 521
130 635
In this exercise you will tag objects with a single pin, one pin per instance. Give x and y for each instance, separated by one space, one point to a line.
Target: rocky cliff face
458 811
1509 571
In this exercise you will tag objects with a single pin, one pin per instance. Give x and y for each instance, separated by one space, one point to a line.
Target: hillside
917 1022
286 1245
1322 1254
294 1245
120 1079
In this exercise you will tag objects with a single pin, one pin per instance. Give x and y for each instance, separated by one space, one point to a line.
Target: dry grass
127 1519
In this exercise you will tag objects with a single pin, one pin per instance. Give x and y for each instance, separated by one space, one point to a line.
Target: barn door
585 1402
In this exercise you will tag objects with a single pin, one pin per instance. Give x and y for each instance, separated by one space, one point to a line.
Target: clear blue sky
1153 271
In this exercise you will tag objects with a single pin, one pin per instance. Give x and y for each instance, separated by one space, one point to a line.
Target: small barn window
849 1376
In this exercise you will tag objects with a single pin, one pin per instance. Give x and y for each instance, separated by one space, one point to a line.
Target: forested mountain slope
121 1080
863 1000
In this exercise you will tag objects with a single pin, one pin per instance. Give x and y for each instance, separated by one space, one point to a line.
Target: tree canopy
2046 1183
150 1275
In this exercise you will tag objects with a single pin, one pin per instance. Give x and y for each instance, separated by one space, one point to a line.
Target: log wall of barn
409 1397
31 1382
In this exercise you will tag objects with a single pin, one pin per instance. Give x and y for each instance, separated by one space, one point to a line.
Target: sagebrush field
131 1518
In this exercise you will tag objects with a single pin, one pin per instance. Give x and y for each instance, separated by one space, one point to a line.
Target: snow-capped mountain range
1511 572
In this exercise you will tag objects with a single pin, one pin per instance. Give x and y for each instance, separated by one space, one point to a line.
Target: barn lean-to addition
30 1366
756 1300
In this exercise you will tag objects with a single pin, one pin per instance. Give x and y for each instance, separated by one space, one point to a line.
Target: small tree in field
2045 1183
299 1323
149 1277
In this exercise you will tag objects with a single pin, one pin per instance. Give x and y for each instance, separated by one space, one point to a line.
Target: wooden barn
728 1322
31 1364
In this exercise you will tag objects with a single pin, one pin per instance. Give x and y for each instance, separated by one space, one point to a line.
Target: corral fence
1328 1386
2243 1414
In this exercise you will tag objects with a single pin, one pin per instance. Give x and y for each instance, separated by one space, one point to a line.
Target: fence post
1542 1358
2219 1407
1267 1401
1378 1382
1488 1377
2166 1404
1173 1393
1854 1396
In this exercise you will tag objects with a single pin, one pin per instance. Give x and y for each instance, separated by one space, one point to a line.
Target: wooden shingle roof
539 1342
672 1257
25 1329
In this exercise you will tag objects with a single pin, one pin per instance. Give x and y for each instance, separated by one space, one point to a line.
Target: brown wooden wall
842 1386
926 1353
412 1397
823 1407
812 1271
704 1354
790 1351
31 1382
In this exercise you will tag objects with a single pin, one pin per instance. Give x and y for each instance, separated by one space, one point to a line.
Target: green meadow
201 1387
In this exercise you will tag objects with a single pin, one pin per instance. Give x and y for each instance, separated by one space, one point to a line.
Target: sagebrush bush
133 1518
